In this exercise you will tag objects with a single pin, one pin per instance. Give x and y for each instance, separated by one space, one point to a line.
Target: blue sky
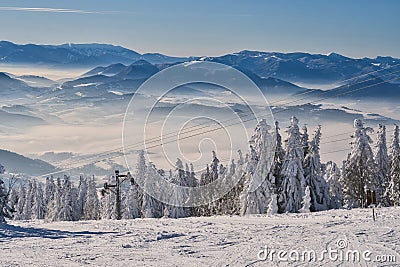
354 28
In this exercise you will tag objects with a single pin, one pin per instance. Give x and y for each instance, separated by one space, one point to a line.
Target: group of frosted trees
271 178
57 200
366 174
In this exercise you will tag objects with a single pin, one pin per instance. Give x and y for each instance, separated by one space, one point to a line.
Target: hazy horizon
182 28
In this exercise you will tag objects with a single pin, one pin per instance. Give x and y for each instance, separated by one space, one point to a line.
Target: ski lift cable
168 135
321 99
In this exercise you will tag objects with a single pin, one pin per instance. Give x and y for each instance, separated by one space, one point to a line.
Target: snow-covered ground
207 241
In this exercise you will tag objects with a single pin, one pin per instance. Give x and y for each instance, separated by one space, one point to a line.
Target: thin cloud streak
57 10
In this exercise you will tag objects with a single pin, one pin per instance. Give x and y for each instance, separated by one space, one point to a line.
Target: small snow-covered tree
333 178
19 208
230 203
67 204
49 191
306 202
177 210
38 205
140 177
27 212
393 190
151 207
108 209
208 176
81 198
5 210
2 169
304 140
53 208
13 200
273 205
293 182
279 156
313 172
360 168
260 180
132 208
91 208
382 162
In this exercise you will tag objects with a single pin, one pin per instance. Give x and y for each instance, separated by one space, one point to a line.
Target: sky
357 28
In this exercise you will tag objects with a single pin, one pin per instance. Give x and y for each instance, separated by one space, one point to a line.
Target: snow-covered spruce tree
67 204
132 208
382 162
360 168
91 208
81 197
192 178
53 208
151 207
49 190
208 176
214 167
230 203
2 169
13 200
273 205
306 202
393 190
333 178
205 178
38 205
140 177
226 177
27 212
293 182
279 156
260 180
19 208
5 210
108 209
313 173
179 178
304 140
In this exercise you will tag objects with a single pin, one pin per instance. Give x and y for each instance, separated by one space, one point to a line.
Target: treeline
271 178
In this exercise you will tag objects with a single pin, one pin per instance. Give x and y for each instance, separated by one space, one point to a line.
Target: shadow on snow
9 231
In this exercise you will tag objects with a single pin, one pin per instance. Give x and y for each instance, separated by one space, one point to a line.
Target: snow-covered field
207 241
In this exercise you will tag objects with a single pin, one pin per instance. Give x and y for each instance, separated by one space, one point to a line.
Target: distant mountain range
76 55
303 68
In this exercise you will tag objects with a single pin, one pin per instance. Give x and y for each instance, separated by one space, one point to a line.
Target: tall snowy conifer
19 209
27 212
393 191
382 162
5 210
312 170
151 207
360 168
292 174
180 178
81 198
260 180
333 178
67 201
304 140
91 208
38 205
279 156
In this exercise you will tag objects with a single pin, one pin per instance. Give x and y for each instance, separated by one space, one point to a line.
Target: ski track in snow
198 241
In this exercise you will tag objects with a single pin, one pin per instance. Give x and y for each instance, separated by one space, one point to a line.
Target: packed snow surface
202 241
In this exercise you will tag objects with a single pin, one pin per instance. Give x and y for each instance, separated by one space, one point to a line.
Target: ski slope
204 241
